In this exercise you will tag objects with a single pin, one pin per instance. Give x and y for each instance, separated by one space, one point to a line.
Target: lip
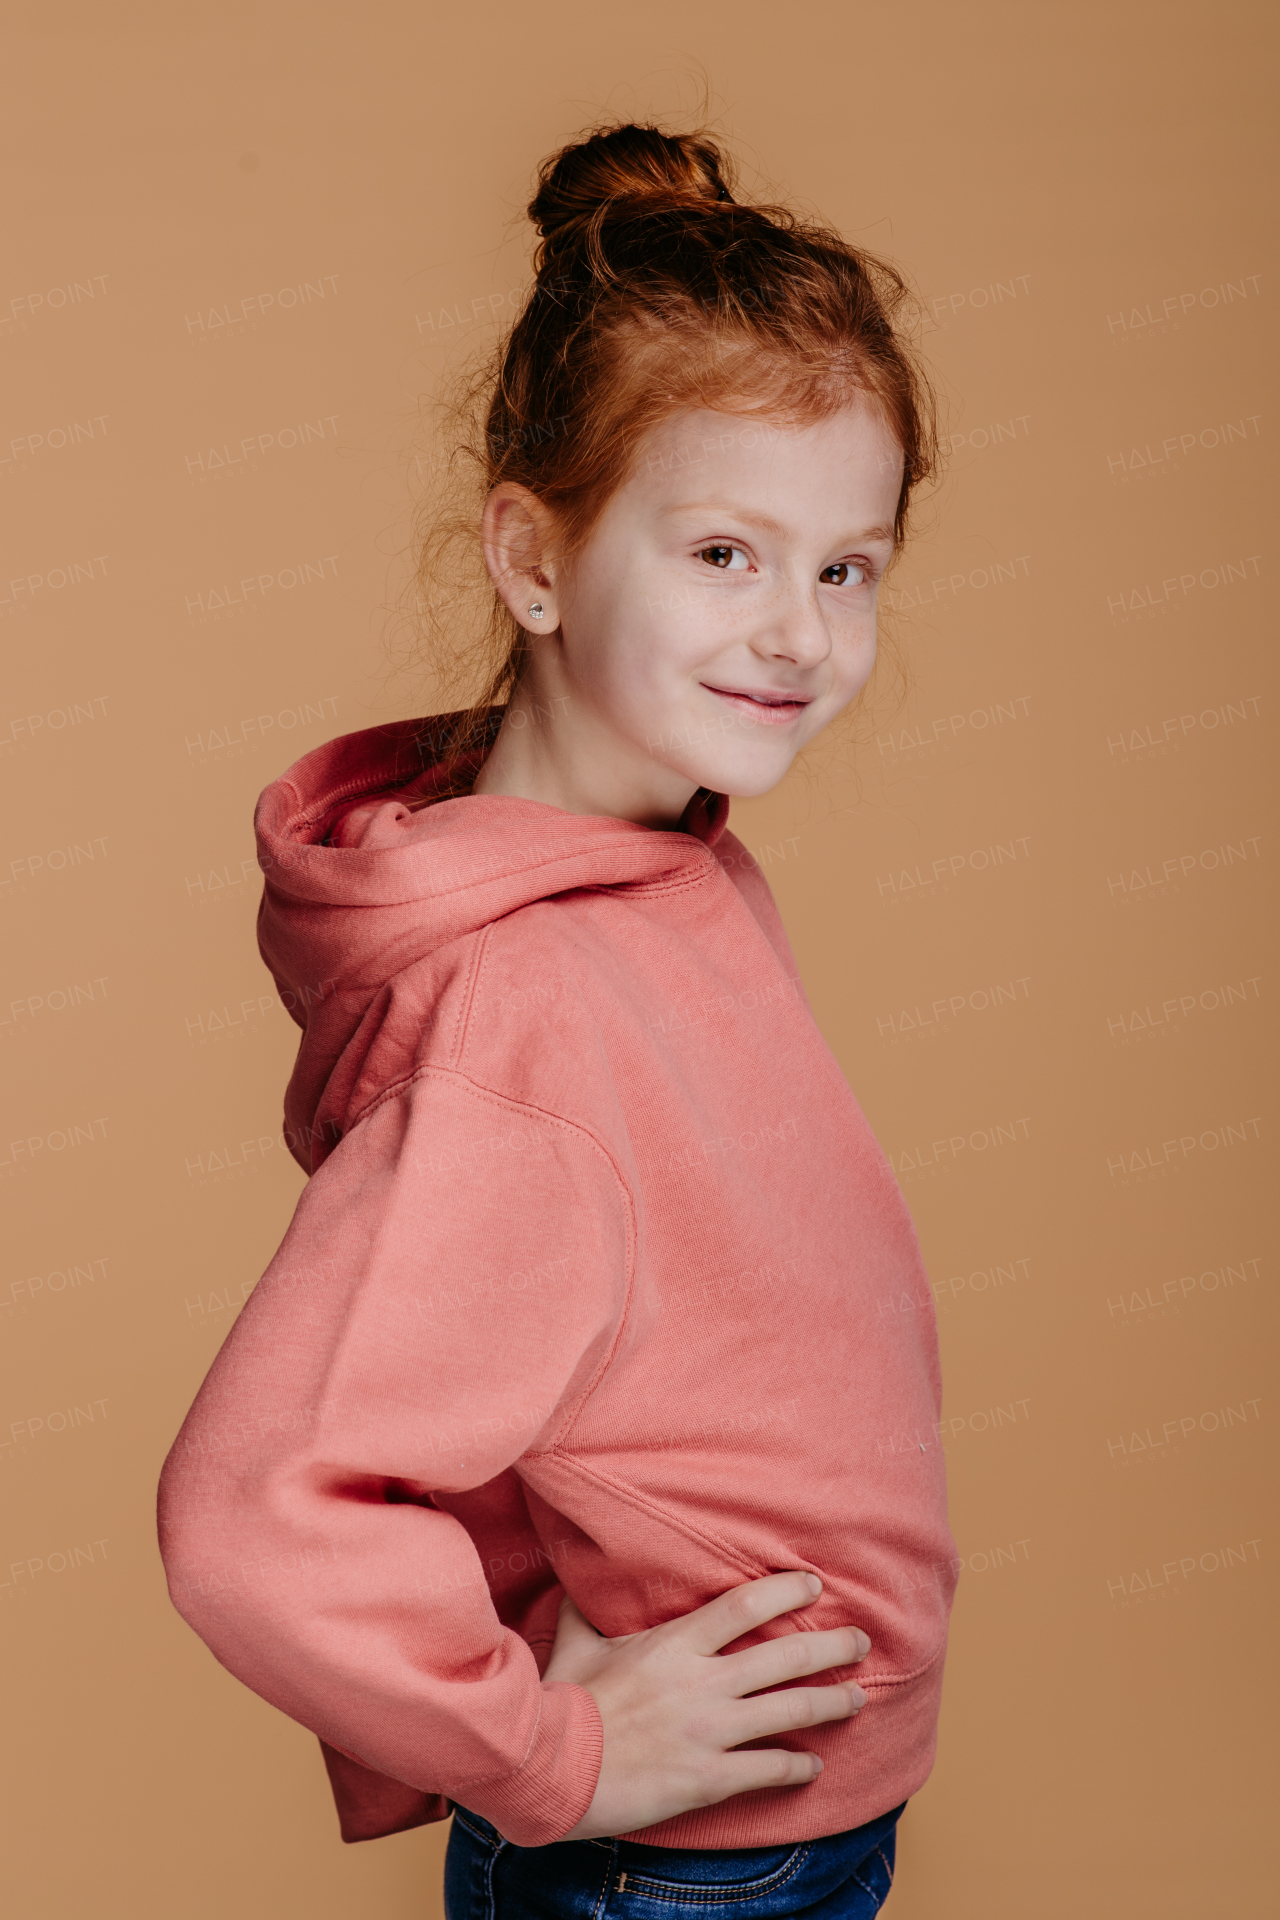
767 706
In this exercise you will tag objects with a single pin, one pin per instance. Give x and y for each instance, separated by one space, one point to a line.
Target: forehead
706 452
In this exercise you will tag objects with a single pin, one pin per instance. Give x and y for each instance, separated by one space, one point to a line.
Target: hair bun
625 162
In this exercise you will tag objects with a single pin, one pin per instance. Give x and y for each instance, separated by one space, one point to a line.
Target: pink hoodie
600 1285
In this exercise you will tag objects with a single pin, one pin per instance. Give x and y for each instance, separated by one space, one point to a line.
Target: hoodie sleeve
449 1290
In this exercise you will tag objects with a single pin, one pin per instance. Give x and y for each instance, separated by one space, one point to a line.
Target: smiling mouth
771 708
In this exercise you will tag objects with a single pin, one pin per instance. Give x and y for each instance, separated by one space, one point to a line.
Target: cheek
655 660
645 632
625 638
856 657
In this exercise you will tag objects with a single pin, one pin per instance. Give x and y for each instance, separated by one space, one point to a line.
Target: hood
366 875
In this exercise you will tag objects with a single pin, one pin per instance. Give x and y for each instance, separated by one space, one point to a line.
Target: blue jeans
843 1876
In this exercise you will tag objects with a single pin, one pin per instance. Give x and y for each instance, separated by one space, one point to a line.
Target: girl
564 1470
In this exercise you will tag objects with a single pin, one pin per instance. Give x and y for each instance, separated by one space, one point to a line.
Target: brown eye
731 557
845 573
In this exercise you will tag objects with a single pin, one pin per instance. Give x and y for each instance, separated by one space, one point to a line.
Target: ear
518 536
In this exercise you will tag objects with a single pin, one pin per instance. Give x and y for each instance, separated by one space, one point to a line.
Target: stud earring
535 611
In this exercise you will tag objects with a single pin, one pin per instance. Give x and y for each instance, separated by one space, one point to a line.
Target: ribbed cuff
552 1789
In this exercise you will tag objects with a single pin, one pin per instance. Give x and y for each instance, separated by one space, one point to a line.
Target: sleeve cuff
550 1791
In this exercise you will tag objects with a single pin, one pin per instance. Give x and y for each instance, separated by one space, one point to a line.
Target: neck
556 748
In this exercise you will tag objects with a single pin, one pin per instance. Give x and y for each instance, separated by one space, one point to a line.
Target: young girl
566 1471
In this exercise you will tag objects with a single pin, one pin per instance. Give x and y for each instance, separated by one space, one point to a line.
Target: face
723 610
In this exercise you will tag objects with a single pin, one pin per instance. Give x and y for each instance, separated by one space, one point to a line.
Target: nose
794 628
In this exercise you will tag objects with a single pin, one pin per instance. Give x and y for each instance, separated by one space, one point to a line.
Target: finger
742 1609
791 1711
766 1767
790 1657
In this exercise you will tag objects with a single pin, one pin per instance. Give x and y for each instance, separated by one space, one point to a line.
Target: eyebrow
779 532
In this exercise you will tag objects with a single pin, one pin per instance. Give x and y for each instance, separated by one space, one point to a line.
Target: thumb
573 1627
575 1641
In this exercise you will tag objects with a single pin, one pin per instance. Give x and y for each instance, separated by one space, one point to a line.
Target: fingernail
815 1585
859 1699
864 1645
817 1764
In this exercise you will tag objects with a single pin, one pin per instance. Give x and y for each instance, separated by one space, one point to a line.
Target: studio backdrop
246 246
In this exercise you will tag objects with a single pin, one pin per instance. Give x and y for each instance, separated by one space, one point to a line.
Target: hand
672 1707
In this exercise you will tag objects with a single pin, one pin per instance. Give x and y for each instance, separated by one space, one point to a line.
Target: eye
733 559
845 573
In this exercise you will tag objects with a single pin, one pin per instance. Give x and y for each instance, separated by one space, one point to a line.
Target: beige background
1076 192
